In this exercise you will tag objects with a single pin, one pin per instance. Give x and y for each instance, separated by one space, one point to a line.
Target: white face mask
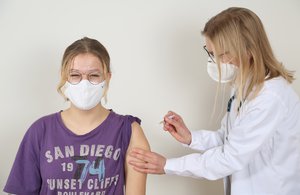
84 95
228 71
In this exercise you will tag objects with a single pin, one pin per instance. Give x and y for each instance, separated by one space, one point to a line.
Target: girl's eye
74 75
95 75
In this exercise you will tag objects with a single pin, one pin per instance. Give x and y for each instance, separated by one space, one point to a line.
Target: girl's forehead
86 61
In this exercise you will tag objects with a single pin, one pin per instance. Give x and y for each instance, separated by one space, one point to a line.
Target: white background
157 60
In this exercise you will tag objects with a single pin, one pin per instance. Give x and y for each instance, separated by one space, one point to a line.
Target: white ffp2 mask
84 95
228 71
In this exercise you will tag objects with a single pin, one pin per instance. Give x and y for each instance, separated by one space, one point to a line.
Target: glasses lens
74 78
95 78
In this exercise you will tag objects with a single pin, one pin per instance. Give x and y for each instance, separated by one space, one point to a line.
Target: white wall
157 58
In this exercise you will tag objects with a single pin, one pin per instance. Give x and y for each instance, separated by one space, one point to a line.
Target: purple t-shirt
53 160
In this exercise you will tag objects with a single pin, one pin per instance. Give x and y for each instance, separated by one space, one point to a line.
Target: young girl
257 148
83 149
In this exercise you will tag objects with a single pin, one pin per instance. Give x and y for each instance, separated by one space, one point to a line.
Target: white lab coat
262 150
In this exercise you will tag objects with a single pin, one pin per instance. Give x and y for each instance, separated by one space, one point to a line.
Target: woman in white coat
257 148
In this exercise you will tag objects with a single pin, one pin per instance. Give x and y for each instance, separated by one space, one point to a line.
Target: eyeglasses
210 54
94 78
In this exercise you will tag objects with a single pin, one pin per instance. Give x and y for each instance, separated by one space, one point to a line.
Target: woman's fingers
169 127
173 115
176 127
146 161
142 155
145 170
146 167
173 119
143 165
172 123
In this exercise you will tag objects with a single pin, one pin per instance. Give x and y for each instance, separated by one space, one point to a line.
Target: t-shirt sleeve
25 176
127 133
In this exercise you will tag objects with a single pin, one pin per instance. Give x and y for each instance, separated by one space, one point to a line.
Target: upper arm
135 181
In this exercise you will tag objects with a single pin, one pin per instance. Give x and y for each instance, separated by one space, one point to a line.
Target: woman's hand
146 161
174 124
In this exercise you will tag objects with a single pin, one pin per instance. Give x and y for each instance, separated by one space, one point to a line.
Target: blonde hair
240 32
83 46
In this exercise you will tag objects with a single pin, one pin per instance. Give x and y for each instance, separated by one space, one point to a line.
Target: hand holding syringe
174 124
169 117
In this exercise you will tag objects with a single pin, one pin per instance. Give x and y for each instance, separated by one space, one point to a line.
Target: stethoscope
229 105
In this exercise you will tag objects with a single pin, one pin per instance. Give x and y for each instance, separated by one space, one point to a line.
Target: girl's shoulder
39 126
124 117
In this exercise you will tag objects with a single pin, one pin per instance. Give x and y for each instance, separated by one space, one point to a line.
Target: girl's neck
83 121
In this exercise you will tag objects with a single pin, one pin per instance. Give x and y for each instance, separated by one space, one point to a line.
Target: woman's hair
240 32
84 46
